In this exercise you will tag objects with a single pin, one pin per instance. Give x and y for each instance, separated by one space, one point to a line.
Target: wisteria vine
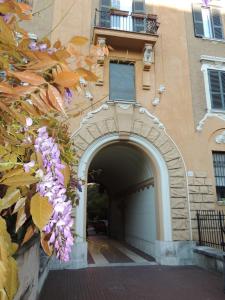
52 185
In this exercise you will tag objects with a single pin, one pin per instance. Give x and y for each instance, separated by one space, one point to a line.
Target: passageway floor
134 283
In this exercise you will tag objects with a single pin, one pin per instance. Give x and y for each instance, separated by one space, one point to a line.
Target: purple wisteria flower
52 186
28 166
68 95
205 2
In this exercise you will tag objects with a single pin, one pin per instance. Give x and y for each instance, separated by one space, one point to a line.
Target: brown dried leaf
79 40
29 233
21 218
29 77
55 98
86 74
45 244
67 79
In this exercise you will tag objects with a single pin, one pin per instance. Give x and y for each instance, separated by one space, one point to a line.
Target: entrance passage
121 206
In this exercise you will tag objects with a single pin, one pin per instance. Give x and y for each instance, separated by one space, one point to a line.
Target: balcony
125 30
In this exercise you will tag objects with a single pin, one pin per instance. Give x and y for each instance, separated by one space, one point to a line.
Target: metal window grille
211 228
219 171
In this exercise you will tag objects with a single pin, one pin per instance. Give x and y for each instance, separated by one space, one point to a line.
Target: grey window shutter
216 89
138 7
217 25
105 13
122 81
197 19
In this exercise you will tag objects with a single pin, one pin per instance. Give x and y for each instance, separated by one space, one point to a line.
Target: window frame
135 91
205 69
214 153
208 27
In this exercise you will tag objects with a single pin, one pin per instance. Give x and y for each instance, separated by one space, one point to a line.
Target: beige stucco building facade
155 149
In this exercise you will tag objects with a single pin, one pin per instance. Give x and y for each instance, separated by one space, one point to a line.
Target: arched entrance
133 128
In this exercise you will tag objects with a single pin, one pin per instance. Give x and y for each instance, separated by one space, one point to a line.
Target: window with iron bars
219 171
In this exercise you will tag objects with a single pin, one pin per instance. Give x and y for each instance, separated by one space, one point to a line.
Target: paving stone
133 283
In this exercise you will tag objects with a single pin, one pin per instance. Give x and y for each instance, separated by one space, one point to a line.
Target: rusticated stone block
94 131
195 236
199 181
86 136
206 206
161 141
195 206
208 198
208 181
193 214
145 130
166 147
204 189
201 174
178 192
180 213
176 173
177 182
179 224
80 143
174 164
181 235
111 125
171 155
137 127
196 198
210 190
153 134
178 202
194 224
102 126
194 189
191 180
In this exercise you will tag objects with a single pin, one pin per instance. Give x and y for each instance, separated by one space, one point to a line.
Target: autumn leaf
4 166
29 233
45 244
67 79
11 278
17 171
21 218
57 44
19 204
5 88
41 210
29 77
88 75
79 40
8 268
18 180
24 7
6 34
12 195
55 98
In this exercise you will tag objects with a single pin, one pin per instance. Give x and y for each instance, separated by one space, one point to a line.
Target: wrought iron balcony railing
125 21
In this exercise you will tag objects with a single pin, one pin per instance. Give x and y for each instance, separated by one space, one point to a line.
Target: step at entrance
103 251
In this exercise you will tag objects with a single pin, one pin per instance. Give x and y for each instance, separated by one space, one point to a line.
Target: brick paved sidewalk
133 283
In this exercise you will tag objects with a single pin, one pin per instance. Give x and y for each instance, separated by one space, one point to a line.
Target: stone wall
201 196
